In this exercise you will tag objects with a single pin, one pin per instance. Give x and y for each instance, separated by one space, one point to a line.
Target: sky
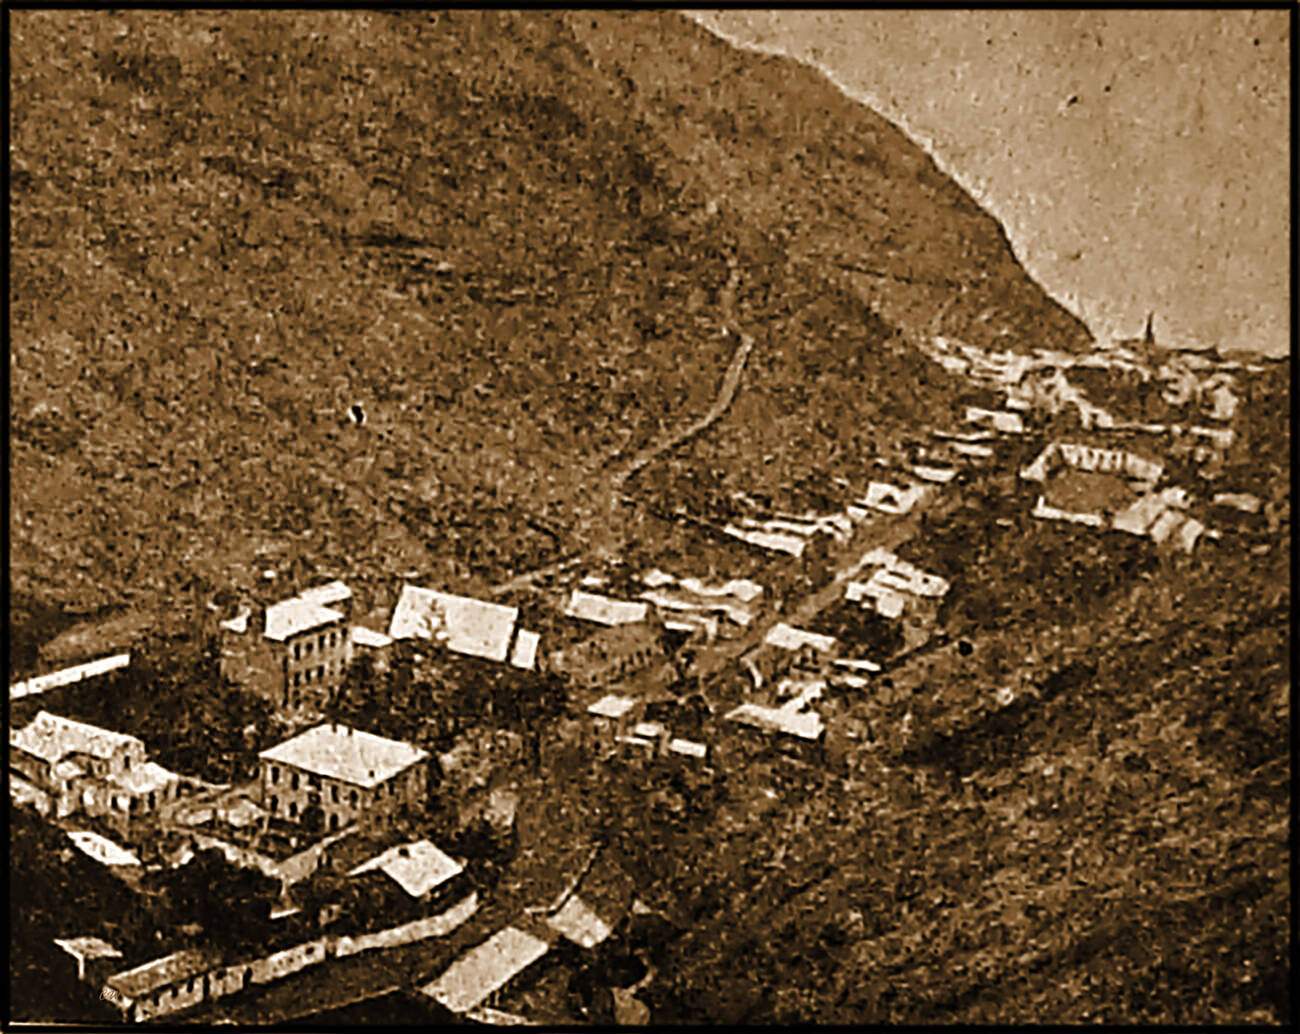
1139 160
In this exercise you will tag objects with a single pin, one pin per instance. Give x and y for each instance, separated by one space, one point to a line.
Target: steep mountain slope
227 228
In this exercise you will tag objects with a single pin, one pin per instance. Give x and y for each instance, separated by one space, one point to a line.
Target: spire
1149 337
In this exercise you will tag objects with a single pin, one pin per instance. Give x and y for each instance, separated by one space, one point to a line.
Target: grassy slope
222 238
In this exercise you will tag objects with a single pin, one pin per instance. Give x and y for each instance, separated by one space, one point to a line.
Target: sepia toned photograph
649 517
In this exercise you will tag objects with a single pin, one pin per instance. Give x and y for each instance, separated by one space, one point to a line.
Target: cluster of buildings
1111 488
67 769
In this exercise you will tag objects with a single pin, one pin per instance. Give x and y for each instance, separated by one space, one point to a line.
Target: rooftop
806 725
333 592
53 737
170 969
88 948
418 867
524 654
146 777
294 616
577 921
487 968
101 849
362 636
461 623
612 706
591 606
789 638
67 676
350 755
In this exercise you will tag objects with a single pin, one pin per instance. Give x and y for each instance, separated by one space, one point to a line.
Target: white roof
144 778
101 849
591 606
350 755
52 737
742 588
612 706
656 578
524 654
892 499
1243 501
1042 509
239 623
788 638
806 725
648 730
680 601
858 665
941 475
1189 533
688 747
417 867
484 969
87 948
971 449
579 923
461 623
294 616
334 592
67 676
1164 525
791 544
362 636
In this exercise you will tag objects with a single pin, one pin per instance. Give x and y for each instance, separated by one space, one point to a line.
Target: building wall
287 792
249 663
609 655
314 664
170 999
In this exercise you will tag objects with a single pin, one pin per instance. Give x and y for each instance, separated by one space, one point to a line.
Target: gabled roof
591 606
53 737
461 623
294 616
350 755
484 969
170 969
417 868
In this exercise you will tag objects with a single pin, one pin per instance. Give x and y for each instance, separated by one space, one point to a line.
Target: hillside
501 241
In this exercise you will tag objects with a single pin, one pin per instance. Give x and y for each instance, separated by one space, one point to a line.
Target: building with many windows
299 660
349 775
